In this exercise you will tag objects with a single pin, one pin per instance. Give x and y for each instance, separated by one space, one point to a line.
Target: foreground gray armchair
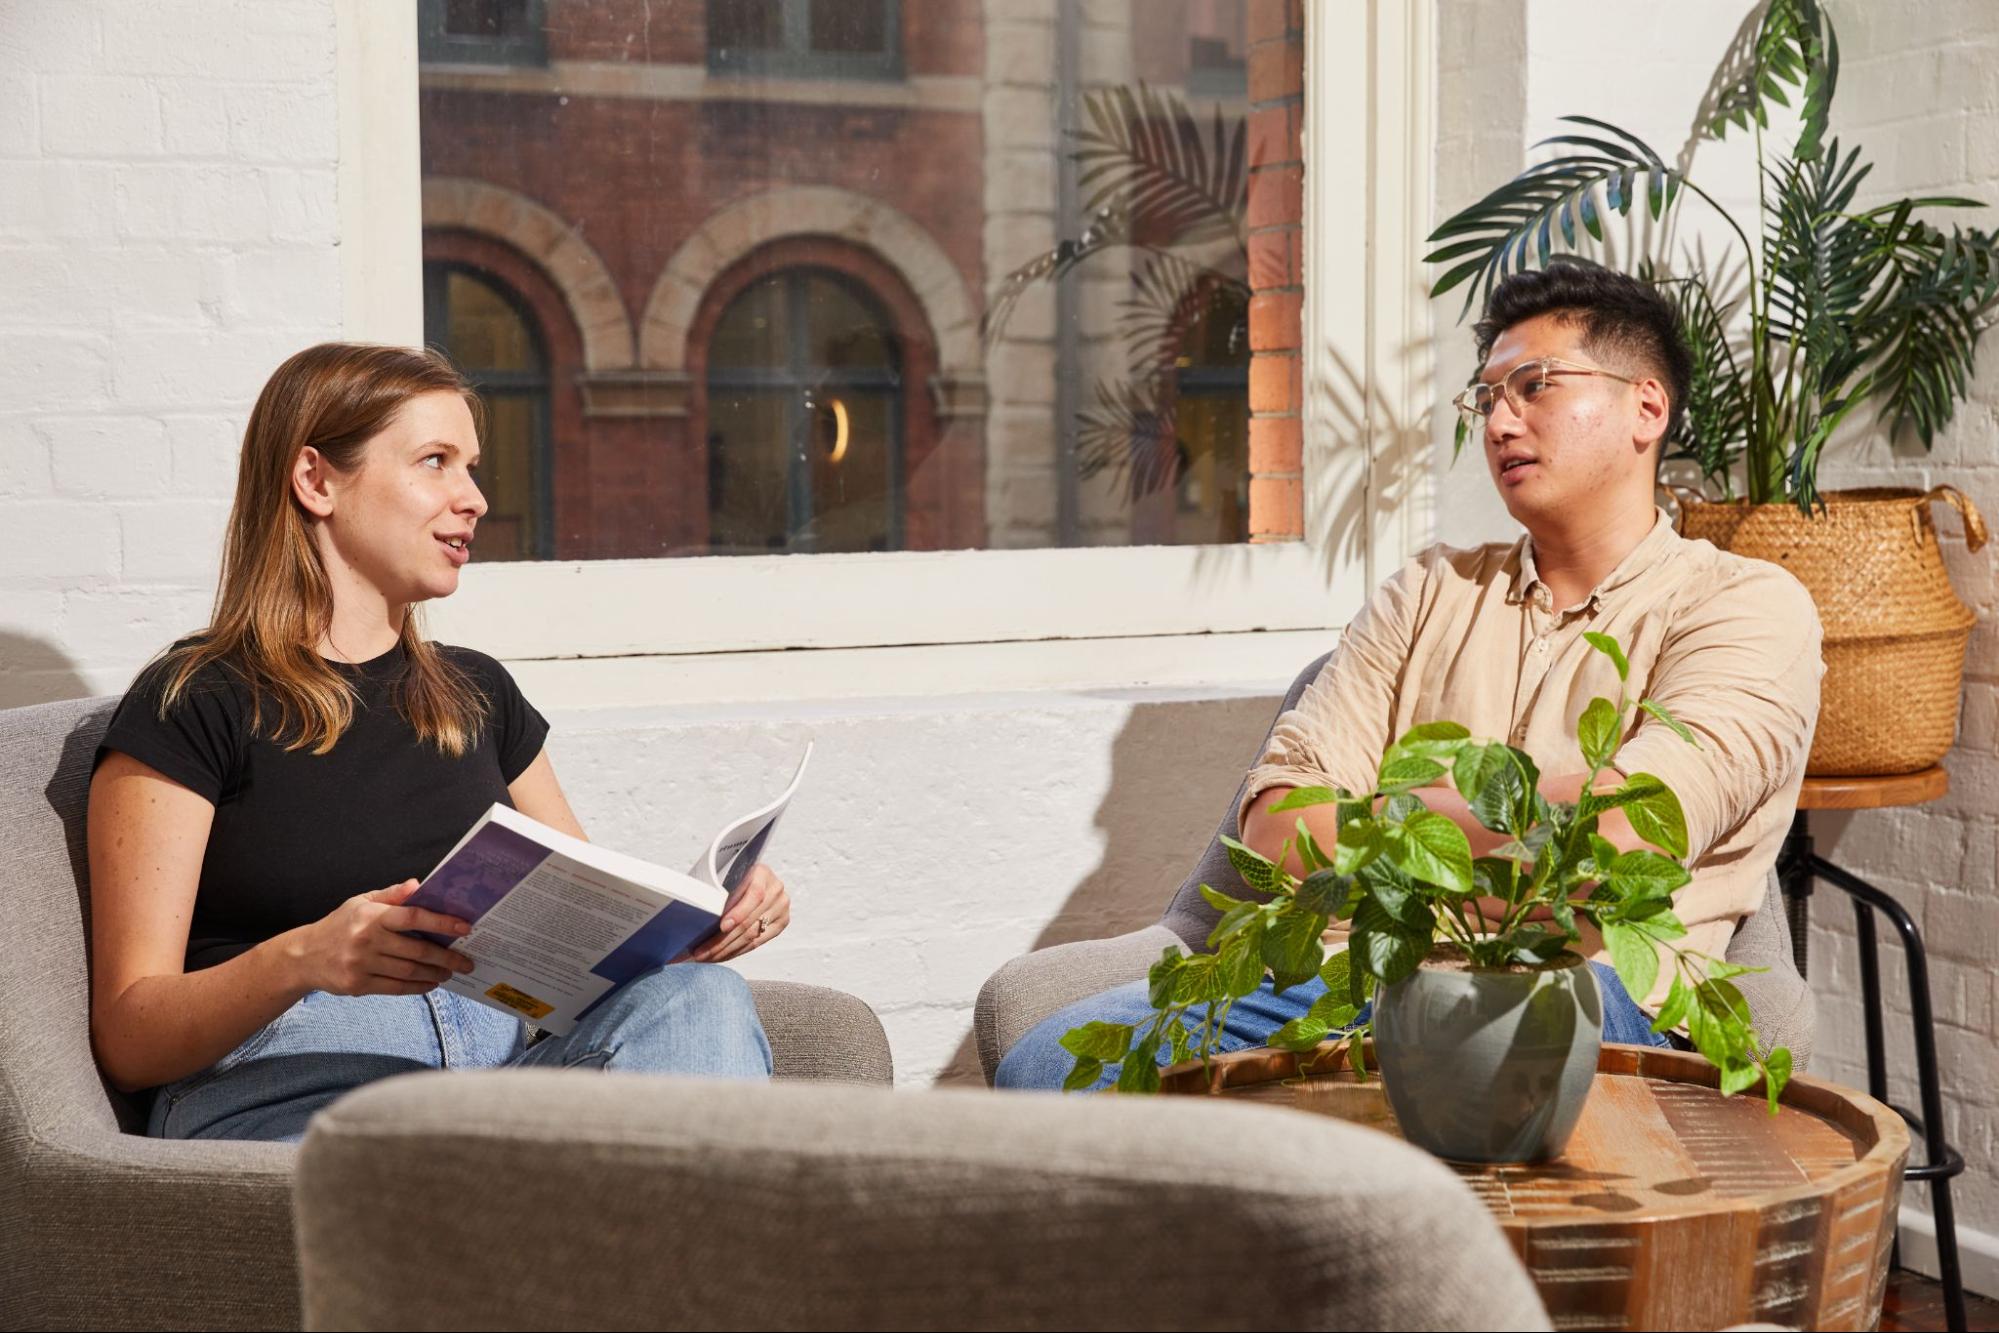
107 1229
1030 988
433 1202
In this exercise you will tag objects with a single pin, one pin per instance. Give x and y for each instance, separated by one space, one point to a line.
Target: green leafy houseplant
1405 880
1843 306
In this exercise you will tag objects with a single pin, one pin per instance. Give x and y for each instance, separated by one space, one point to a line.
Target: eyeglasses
1521 387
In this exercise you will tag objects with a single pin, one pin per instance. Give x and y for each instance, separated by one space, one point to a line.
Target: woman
269 788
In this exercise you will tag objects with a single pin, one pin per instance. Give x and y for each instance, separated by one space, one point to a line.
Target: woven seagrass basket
1895 630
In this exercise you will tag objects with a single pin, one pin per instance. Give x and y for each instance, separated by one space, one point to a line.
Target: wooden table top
1672 1206
1873 793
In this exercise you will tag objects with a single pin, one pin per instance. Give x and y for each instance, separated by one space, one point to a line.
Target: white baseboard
1977 1251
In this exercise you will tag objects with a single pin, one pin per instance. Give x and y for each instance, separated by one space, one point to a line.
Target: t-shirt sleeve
518 728
198 743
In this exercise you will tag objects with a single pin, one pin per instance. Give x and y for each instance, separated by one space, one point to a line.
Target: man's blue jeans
691 1018
1037 1060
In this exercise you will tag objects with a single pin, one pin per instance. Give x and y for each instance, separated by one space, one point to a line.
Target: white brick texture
168 234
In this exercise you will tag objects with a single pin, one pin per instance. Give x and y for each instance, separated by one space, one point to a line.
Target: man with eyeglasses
1584 375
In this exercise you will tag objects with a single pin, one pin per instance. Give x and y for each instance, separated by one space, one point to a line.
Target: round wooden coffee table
1673 1206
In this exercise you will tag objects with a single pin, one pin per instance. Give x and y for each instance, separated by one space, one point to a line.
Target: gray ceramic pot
1489 1066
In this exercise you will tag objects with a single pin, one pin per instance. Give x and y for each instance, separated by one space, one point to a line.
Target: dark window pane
804 441
510 529
486 332
842 333
486 18
754 333
748 466
749 25
854 26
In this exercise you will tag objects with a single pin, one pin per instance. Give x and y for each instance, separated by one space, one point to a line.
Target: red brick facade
636 157
1276 270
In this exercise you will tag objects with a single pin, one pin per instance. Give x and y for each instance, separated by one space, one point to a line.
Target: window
638 183
493 341
837 39
804 427
482 32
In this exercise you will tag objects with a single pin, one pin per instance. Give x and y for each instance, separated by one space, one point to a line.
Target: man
1584 376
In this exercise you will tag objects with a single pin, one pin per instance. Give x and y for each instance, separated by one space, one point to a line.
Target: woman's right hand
359 949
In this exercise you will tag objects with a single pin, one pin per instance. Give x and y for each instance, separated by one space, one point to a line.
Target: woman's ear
312 482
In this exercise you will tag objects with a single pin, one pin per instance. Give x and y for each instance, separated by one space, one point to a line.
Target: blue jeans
1037 1060
691 1018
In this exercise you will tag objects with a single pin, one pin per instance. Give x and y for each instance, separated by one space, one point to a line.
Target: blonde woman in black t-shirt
269 788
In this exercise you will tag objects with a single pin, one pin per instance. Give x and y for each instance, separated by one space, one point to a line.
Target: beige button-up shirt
1728 645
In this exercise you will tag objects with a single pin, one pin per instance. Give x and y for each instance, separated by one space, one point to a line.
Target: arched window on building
805 419
490 336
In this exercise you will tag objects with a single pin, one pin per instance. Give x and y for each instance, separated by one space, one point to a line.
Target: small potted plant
1844 305
1485 1026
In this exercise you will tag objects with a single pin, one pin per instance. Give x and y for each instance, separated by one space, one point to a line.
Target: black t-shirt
295 833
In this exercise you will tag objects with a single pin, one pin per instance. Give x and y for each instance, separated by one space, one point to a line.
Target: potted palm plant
1485 1022
1846 307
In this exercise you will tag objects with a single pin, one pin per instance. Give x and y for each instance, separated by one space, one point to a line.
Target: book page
741 845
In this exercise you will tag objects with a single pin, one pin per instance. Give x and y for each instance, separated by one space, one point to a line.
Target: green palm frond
1794 45
1716 423
1940 297
1819 260
1143 151
1514 228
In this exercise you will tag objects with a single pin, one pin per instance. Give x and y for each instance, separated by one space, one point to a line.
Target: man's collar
1526 578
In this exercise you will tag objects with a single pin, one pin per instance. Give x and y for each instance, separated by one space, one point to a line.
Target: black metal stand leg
1794 879
1942 1161
1870 1013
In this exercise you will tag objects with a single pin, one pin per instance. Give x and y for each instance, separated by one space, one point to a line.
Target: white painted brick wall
1919 89
167 236
932 841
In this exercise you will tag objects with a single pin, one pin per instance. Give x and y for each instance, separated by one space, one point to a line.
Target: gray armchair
108 1229
1030 988
457 1201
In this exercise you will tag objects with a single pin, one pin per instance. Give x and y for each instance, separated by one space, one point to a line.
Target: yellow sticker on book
514 999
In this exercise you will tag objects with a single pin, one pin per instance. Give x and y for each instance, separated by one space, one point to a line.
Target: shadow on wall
1170 785
34 671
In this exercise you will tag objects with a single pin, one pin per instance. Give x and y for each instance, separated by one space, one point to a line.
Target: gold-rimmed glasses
1521 387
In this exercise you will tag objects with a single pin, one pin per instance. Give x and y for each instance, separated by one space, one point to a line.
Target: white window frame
1366 321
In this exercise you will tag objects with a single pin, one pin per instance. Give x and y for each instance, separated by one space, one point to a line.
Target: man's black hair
1622 320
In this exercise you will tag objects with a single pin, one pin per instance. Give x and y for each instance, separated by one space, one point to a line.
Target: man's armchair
106 1228
1033 986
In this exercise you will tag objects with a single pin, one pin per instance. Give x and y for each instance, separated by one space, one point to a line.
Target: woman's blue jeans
1037 1060
691 1018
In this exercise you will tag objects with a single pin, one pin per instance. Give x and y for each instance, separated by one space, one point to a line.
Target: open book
559 923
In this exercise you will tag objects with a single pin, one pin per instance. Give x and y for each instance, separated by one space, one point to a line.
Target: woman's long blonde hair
273 602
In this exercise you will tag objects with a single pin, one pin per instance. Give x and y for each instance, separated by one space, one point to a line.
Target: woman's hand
358 947
757 913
